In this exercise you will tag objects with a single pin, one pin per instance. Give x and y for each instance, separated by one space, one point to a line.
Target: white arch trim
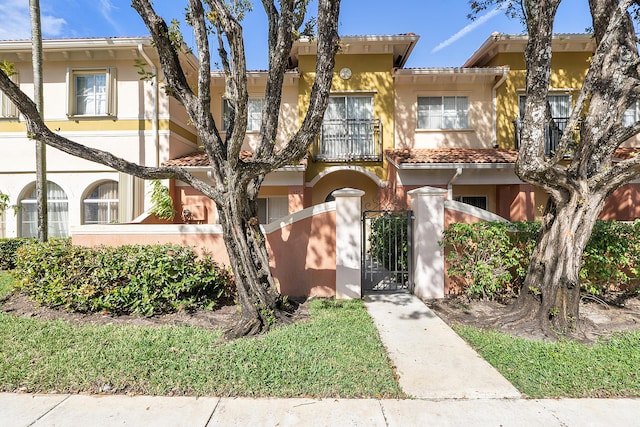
359 169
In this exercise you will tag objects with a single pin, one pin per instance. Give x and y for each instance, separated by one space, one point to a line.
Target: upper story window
559 110
349 130
254 114
91 92
443 112
9 110
560 106
631 115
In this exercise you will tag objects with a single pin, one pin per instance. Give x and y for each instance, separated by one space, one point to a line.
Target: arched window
101 205
57 209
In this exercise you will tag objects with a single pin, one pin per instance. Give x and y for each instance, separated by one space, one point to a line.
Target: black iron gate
387 251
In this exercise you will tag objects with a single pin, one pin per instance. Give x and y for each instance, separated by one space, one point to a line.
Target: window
90 92
9 110
254 114
349 130
443 112
560 106
271 209
560 109
631 115
477 201
58 212
101 206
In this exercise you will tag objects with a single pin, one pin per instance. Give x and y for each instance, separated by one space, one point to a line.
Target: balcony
345 140
552 134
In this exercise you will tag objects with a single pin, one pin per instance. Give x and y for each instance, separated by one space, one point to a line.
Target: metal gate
387 251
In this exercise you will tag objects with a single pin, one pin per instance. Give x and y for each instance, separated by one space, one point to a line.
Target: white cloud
16 24
107 10
469 28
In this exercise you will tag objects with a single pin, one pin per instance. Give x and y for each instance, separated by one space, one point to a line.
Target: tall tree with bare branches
581 174
236 181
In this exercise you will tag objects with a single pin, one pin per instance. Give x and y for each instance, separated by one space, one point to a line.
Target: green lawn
562 369
6 284
336 354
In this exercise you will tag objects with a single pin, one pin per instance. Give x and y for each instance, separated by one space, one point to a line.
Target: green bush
8 248
612 258
135 279
482 257
488 259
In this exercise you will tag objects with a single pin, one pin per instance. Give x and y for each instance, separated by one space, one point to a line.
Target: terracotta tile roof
452 155
200 158
625 153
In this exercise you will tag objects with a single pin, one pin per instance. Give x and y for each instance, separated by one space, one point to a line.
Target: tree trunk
41 147
260 302
550 295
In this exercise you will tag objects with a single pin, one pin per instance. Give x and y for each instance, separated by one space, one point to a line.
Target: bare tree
581 174
236 181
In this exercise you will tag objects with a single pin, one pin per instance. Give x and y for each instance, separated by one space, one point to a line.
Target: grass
6 284
337 353
562 369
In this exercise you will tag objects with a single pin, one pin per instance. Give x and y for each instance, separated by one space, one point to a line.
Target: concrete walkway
431 360
450 384
141 411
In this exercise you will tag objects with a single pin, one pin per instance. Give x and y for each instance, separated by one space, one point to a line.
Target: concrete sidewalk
140 411
450 383
431 360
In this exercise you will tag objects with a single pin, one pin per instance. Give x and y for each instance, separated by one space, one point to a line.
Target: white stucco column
428 257
348 243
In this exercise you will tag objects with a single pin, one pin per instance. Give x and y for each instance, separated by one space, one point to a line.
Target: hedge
8 248
490 259
133 279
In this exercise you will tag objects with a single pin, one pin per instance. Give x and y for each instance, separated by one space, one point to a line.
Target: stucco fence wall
317 251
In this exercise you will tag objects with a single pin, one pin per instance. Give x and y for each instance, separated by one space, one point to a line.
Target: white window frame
110 203
110 91
268 215
58 213
456 118
255 105
631 115
8 108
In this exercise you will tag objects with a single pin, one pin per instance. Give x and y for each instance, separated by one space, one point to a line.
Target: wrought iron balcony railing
552 134
348 140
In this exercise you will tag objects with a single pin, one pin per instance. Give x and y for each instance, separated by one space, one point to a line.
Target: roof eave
423 166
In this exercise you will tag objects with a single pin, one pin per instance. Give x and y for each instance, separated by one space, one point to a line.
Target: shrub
482 258
8 248
134 279
487 259
612 258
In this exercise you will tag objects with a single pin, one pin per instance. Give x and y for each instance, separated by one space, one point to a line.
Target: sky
447 36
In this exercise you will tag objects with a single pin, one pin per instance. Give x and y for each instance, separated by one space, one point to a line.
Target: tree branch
328 11
37 129
170 61
236 78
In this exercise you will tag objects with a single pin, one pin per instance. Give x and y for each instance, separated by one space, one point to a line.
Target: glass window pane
101 207
58 213
278 208
90 93
262 210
